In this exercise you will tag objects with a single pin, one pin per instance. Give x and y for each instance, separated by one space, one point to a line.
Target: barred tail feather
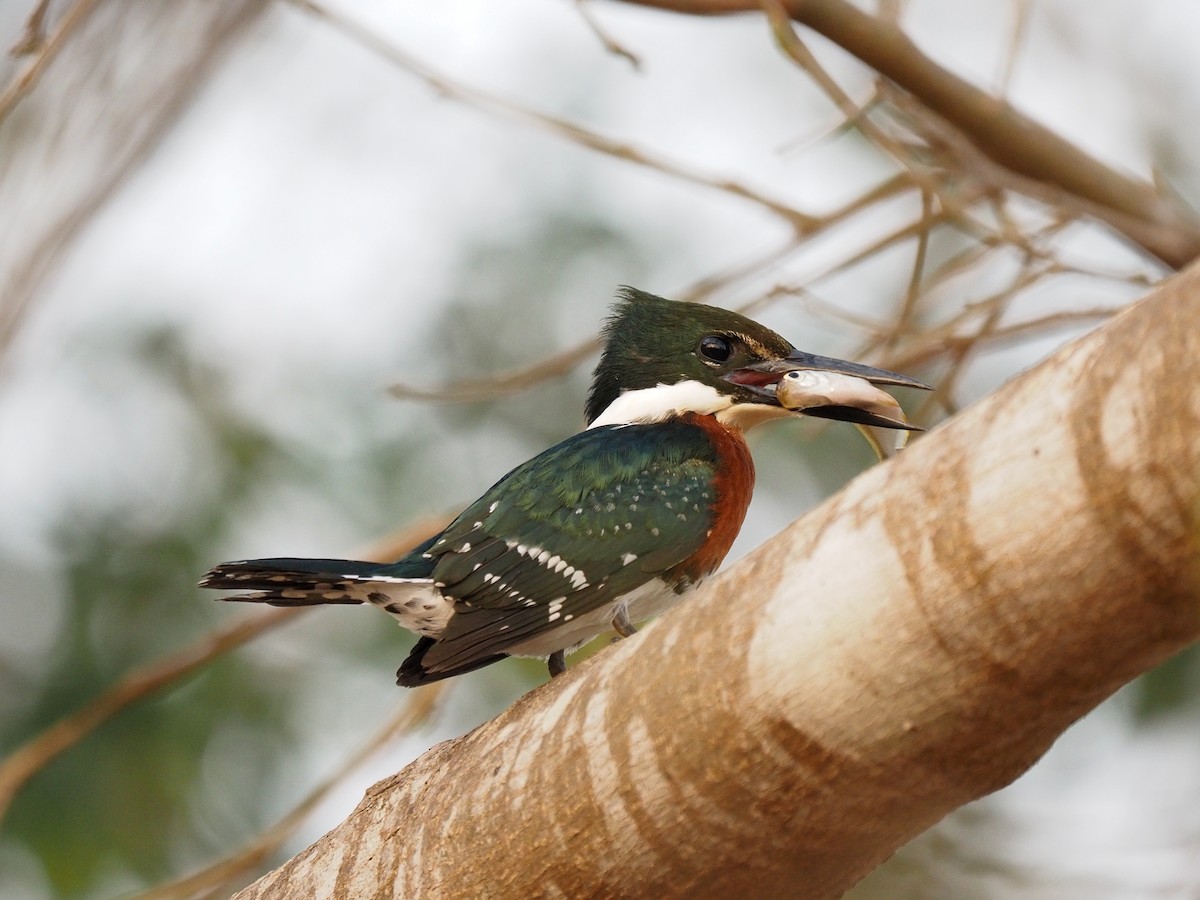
296 582
403 589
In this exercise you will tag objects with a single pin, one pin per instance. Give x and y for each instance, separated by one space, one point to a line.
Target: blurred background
278 280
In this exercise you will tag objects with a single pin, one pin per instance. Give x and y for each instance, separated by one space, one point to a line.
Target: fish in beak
830 388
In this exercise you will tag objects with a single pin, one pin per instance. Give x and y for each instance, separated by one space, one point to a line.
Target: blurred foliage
119 798
127 804
1169 689
123 804
193 772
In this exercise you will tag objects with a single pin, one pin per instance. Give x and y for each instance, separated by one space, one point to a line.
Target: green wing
580 525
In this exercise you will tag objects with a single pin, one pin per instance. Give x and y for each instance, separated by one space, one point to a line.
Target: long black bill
798 360
829 388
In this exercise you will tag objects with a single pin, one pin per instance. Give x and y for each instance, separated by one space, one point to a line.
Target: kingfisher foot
621 624
557 663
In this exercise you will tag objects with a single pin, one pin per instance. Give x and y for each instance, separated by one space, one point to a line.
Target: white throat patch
662 402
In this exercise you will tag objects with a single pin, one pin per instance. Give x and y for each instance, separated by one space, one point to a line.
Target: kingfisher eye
715 348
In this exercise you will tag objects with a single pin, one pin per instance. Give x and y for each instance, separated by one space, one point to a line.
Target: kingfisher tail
299 582
404 589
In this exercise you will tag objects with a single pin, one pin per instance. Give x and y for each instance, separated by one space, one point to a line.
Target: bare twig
489 387
583 7
1156 221
89 116
30 758
1021 10
819 306
960 156
44 47
801 222
913 292
218 876
504 384
34 37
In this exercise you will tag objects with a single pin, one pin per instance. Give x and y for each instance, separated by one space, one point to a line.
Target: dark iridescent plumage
611 525
585 522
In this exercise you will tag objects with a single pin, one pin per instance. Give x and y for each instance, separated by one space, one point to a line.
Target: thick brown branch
915 643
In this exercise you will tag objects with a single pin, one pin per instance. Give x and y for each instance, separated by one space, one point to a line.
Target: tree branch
83 110
917 642
1159 223
170 671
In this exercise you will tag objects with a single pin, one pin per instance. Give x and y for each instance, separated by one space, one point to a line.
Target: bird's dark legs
621 624
557 663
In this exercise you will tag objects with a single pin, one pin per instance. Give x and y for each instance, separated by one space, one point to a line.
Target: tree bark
913 644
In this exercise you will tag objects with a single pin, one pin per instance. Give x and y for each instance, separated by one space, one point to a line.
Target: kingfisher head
664 358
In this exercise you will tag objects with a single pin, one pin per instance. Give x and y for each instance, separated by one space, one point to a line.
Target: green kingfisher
609 527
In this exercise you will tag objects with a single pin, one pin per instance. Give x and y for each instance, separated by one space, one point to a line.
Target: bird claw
621 624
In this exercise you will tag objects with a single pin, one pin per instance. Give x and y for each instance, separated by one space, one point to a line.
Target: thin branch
494 386
415 711
90 116
33 38
47 49
489 387
937 342
918 170
578 134
959 155
703 289
1022 14
913 292
583 7
961 351
31 757
1158 222
823 308
1048 322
